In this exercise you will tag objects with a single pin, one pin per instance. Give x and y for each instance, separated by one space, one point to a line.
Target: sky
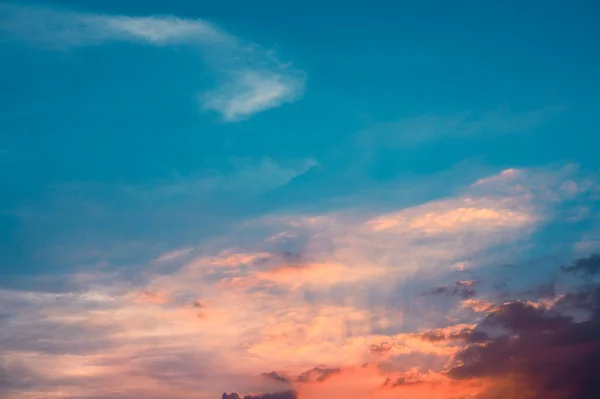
299 200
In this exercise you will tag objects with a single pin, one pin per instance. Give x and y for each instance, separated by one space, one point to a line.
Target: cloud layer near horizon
251 79
351 303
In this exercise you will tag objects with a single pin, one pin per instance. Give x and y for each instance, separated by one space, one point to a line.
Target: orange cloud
151 297
327 274
372 382
352 300
430 220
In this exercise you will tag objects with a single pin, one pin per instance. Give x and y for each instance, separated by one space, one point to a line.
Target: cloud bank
415 302
251 78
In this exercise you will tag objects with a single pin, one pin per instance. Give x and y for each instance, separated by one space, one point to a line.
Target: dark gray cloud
15 376
586 266
436 335
315 374
277 377
462 289
551 354
318 374
276 395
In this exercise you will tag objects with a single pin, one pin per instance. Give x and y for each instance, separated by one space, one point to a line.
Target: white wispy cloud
247 177
252 79
429 128
251 91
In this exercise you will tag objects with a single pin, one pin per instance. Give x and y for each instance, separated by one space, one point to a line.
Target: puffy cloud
545 353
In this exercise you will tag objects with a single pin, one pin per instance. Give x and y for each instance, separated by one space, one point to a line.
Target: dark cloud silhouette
441 335
404 381
522 317
318 374
550 354
586 266
463 289
276 395
276 377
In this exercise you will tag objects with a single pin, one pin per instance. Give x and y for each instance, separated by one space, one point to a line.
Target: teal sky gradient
137 131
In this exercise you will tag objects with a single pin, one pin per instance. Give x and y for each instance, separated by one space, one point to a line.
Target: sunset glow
258 200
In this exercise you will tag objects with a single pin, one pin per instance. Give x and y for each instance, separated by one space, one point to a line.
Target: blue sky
141 140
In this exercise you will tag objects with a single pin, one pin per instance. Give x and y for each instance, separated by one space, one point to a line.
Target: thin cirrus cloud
427 129
338 304
206 202
247 177
251 79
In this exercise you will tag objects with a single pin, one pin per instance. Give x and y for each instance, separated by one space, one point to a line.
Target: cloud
251 91
545 353
277 395
463 289
252 79
175 254
151 219
334 307
66 29
428 129
585 266
247 177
